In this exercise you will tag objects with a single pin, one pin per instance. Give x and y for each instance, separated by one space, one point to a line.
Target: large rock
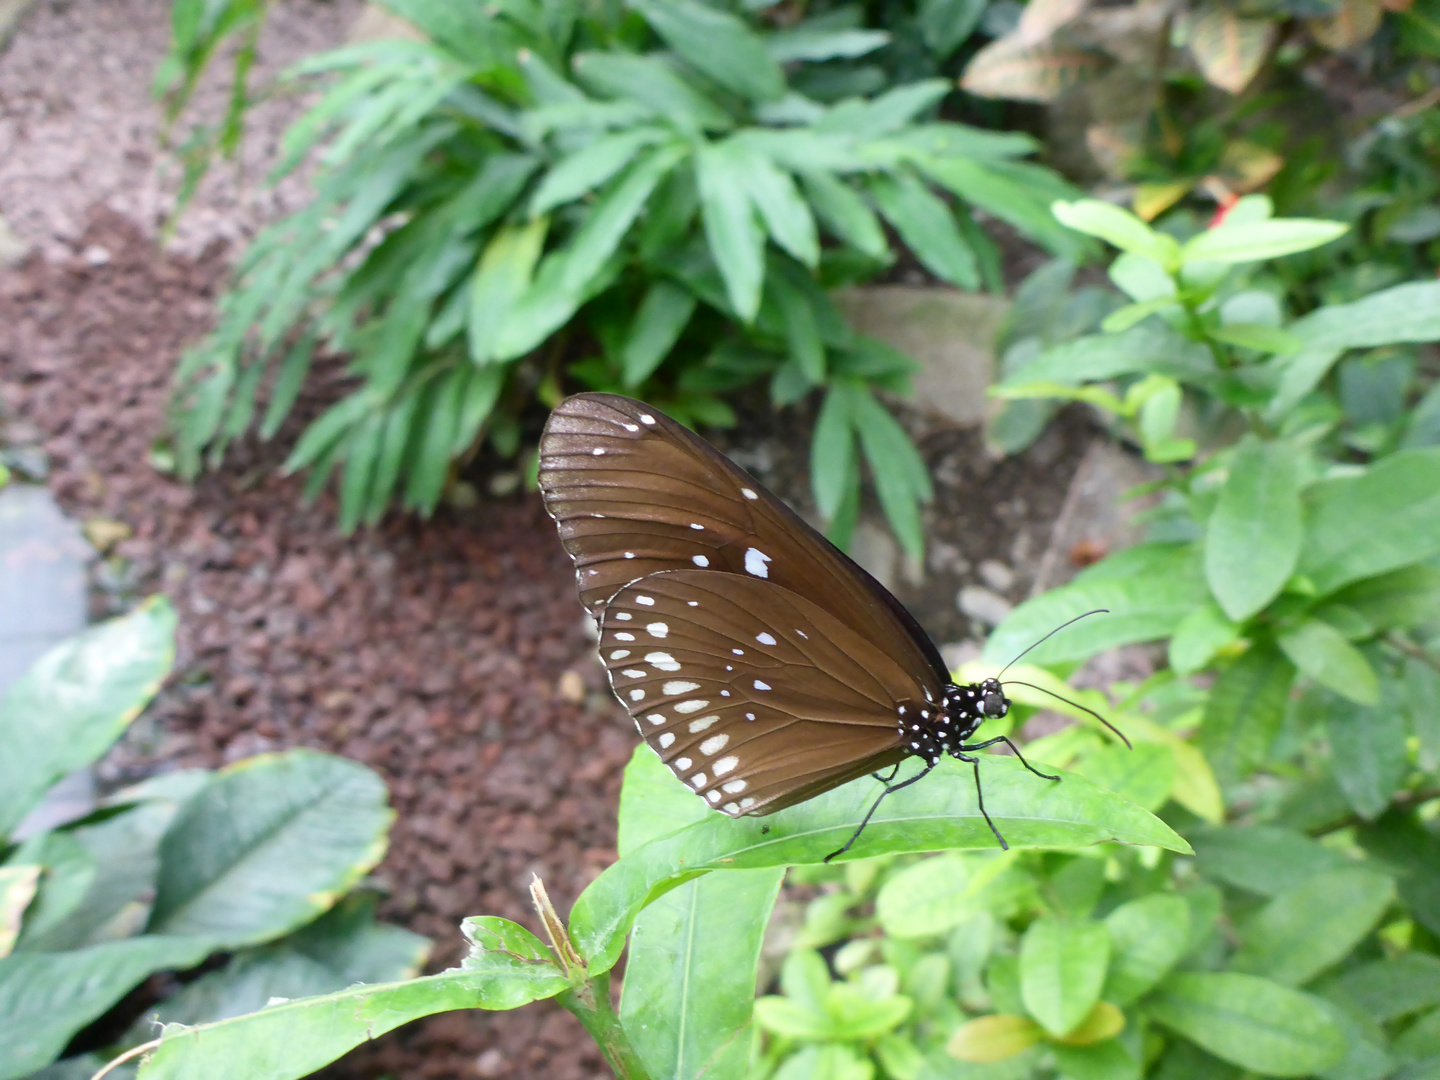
951 334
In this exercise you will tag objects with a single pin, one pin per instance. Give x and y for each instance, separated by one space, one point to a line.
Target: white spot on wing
655 717
734 787
761 686
646 418
765 639
666 738
749 716
748 493
687 707
597 451
637 694
619 654
697 726
699 560
713 745
699 780
633 673
738 652
755 561
679 686
731 809
648 601
747 802
663 661
726 764
629 554
683 763
696 525
713 796
622 636
657 629
630 427
623 616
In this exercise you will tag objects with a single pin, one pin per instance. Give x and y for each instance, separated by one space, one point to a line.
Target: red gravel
430 651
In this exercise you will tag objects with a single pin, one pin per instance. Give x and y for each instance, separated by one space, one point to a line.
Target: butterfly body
760 662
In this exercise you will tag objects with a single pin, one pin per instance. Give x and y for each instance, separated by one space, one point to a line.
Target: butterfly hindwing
754 696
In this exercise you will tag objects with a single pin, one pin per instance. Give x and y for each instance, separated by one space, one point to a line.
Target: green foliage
640 199
255 860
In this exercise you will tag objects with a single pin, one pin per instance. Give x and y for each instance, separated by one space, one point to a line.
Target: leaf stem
1413 651
590 1002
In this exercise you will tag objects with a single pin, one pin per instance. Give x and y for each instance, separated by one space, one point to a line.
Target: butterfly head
967 707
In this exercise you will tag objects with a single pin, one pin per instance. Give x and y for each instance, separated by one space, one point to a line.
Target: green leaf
1421 705
1400 599
1267 339
292 1039
832 454
654 84
1367 749
690 976
1321 652
45 998
1122 319
76 700
1258 240
1313 925
1147 590
939 814
845 213
1264 859
1148 937
1253 538
927 226
652 805
501 278
1249 1021
736 241
1149 346
1383 519
901 479
1199 636
1107 1060
1395 987
784 211
810 42
1244 711
1062 968
269 844
68 873
936 894
718 44
1120 228
1143 775
611 217
944 24
589 167
662 317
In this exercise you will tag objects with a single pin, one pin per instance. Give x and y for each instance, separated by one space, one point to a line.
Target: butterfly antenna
1075 704
1052 633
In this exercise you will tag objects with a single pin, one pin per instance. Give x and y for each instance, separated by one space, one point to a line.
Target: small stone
983 606
463 496
105 533
571 687
996 575
490 1064
504 483
95 255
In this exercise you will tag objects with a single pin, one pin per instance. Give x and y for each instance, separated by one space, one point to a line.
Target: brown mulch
432 651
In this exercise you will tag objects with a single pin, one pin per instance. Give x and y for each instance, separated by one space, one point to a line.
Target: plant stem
1413 651
590 1002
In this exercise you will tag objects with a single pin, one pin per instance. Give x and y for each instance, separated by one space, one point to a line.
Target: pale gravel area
79 127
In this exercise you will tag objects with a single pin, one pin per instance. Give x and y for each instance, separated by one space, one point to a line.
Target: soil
449 654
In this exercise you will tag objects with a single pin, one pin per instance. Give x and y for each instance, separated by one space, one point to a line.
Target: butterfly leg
1013 749
980 795
886 779
889 788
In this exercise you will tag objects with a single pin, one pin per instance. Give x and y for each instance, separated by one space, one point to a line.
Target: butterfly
761 663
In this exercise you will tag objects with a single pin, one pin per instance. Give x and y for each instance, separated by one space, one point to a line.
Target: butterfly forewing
754 696
635 494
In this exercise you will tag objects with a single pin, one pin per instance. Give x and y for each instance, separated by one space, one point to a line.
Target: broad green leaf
502 276
1321 652
76 700
269 844
1199 636
690 975
1412 852
1107 1060
1149 346
901 478
1148 937
1143 280
1062 968
1228 47
804 42
1400 599
1120 228
590 166
1253 537
781 207
845 213
1017 193
736 241
1124 318
927 226
1143 775
1395 987
1152 587
944 24
658 324
45 998
1249 1021
832 454
802 329
718 44
508 968
1367 748
652 83
1313 924
938 814
1244 711
1264 859
1420 696
69 871
1260 240
936 894
1385 518
1269 339
884 114
652 803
